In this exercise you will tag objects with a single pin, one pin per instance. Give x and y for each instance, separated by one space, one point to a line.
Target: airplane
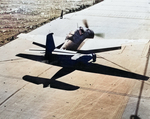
87 47
82 58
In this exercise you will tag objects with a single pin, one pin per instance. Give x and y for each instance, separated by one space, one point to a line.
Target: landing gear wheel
94 57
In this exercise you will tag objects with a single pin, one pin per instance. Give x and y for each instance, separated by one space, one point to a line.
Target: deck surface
108 90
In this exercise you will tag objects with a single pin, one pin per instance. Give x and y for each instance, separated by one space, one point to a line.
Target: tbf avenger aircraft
76 53
78 45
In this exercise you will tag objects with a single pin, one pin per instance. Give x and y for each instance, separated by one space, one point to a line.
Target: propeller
85 23
99 35
87 26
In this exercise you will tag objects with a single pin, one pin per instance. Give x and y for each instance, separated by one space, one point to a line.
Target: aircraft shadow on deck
53 83
69 66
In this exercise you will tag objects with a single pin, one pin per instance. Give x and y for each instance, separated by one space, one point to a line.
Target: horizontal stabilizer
40 40
40 45
63 52
35 50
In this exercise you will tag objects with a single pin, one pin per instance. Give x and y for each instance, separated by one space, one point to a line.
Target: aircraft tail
50 46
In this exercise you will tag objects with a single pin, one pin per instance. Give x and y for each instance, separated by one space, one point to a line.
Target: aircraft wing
87 46
102 45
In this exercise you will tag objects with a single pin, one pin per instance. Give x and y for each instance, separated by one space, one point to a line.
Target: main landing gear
94 57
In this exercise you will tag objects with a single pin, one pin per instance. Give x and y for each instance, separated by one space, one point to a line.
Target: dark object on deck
134 117
61 16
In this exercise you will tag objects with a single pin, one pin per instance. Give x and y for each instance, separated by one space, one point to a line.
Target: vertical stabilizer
50 45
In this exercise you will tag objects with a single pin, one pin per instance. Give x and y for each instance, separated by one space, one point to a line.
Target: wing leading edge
101 45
